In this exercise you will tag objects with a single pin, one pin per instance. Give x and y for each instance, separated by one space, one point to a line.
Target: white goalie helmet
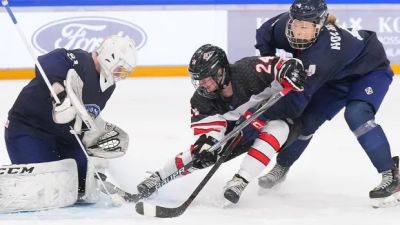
117 58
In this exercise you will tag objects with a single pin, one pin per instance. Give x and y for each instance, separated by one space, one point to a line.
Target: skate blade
227 204
263 191
391 201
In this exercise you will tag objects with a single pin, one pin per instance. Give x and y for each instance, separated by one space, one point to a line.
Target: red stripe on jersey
198 131
271 140
259 156
215 123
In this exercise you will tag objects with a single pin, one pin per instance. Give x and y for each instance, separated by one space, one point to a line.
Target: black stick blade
146 209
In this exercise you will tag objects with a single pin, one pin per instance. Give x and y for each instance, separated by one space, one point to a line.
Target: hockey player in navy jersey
37 133
223 94
346 68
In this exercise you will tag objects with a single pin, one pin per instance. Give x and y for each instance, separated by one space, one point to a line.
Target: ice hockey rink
329 184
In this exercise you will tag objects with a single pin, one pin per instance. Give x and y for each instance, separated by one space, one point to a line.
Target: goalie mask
306 19
209 61
117 58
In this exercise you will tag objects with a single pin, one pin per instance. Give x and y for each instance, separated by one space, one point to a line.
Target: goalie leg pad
91 194
95 192
38 186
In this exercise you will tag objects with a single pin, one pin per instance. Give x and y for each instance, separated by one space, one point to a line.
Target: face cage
120 71
203 91
297 43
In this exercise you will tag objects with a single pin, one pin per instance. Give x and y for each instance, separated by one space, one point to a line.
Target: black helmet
314 11
209 61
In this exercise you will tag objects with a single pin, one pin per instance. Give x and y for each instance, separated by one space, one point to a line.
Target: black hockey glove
202 158
292 74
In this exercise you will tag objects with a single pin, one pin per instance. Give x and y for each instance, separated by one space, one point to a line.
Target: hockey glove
108 141
202 158
292 74
64 112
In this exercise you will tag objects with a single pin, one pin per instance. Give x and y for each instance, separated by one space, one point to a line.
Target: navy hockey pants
362 98
23 148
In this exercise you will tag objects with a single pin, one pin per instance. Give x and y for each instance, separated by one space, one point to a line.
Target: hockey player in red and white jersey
224 94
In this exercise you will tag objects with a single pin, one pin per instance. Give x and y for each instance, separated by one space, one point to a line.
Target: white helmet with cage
117 58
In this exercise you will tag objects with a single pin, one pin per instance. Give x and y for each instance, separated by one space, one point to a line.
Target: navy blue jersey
32 111
338 55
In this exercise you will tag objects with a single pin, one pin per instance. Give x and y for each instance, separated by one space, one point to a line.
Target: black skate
234 188
387 193
274 177
149 185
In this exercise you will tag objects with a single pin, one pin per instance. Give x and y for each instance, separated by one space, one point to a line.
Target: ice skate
147 187
387 193
234 188
274 177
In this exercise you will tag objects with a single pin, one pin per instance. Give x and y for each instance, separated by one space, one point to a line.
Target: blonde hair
331 19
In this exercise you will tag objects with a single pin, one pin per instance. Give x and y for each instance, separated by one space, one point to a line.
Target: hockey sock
291 153
376 145
360 116
269 141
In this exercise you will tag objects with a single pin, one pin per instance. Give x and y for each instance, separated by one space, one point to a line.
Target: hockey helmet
311 11
209 61
117 58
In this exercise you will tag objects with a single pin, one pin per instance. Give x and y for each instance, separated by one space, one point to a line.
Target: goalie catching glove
108 141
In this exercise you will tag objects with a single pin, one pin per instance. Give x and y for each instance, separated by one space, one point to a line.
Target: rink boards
167 36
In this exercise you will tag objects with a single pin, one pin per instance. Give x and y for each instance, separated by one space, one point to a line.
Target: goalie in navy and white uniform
350 70
224 93
37 133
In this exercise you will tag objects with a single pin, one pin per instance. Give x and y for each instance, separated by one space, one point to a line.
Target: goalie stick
130 197
147 209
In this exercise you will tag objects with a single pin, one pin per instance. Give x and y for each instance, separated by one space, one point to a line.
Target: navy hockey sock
376 145
291 153
360 116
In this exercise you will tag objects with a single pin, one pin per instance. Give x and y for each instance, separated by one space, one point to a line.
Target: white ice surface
328 186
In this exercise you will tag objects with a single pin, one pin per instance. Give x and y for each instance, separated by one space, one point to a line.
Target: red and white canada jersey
253 80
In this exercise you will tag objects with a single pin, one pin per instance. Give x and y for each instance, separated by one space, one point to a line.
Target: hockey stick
33 55
115 198
137 197
147 209
81 111
113 189
129 197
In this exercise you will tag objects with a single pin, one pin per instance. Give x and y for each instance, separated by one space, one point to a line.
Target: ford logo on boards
84 32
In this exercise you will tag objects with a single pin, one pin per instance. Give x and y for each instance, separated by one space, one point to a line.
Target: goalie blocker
38 186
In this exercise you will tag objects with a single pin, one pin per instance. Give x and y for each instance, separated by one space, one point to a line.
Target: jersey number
266 66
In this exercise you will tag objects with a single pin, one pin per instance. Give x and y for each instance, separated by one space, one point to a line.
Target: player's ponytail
331 19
